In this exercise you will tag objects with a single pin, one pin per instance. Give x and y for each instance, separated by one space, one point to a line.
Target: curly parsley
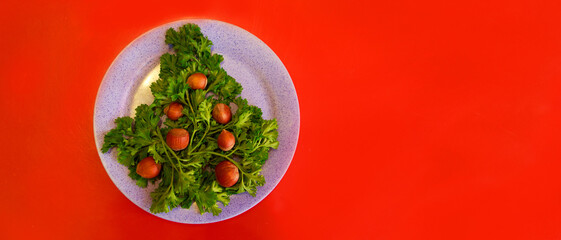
187 176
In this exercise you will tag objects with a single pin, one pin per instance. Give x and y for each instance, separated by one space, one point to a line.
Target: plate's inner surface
265 82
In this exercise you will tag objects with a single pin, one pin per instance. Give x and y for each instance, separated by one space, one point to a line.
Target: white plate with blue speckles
251 62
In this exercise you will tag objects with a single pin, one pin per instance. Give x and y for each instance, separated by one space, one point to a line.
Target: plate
266 84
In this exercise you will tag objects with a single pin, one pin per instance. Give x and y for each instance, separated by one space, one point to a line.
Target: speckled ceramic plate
266 84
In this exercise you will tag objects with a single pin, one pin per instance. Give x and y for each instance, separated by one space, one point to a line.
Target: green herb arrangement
189 138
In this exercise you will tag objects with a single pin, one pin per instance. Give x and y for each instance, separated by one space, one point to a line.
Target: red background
419 119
